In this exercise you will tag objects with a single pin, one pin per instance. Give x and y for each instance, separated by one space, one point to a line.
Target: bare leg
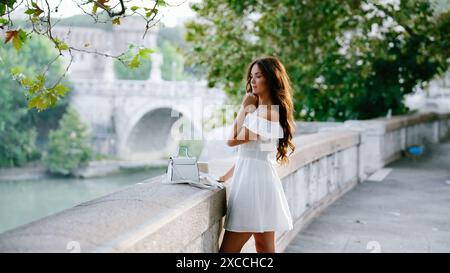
265 242
234 241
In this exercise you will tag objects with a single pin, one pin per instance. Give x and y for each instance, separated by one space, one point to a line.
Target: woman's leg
265 242
234 241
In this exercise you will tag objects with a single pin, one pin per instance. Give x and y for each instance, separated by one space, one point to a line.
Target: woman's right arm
227 175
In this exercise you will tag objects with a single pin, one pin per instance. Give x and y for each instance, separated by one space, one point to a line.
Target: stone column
108 73
371 155
155 73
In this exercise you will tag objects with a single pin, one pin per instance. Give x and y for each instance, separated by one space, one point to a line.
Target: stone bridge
132 119
141 119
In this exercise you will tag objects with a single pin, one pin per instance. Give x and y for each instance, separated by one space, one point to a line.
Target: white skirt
257 202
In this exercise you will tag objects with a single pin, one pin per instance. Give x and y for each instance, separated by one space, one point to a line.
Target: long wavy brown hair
279 86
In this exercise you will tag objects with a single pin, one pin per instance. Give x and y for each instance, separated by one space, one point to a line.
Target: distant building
95 66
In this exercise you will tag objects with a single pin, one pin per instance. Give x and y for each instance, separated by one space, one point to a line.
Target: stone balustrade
165 89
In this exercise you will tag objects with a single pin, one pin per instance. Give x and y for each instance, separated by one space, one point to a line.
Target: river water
22 202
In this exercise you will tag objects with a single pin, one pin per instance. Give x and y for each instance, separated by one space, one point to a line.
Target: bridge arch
154 133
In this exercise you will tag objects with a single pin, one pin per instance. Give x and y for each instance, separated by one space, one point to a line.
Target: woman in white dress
264 125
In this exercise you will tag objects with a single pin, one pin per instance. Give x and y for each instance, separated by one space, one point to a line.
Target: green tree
68 147
20 128
346 59
172 67
171 41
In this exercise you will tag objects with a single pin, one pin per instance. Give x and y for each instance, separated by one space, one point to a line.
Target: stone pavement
408 211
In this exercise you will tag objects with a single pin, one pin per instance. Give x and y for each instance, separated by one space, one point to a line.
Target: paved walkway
409 211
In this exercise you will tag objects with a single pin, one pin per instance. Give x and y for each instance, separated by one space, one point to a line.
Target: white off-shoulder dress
257 202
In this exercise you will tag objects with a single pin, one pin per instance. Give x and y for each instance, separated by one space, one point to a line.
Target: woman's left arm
227 175
248 106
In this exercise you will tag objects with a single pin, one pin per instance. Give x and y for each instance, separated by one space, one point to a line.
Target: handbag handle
185 149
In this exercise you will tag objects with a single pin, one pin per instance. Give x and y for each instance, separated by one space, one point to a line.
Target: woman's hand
250 102
227 175
222 179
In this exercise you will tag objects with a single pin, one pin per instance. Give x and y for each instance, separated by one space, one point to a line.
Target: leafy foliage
173 63
67 148
21 128
43 95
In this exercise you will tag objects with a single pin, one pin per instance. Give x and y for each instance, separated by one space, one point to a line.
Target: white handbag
185 170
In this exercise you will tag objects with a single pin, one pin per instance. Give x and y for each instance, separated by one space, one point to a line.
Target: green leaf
143 53
16 70
63 46
19 39
61 89
162 3
35 85
150 13
135 63
38 83
22 35
36 11
52 99
41 79
36 102
100 4
29 11
116 21
60 44
27 82
134 8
